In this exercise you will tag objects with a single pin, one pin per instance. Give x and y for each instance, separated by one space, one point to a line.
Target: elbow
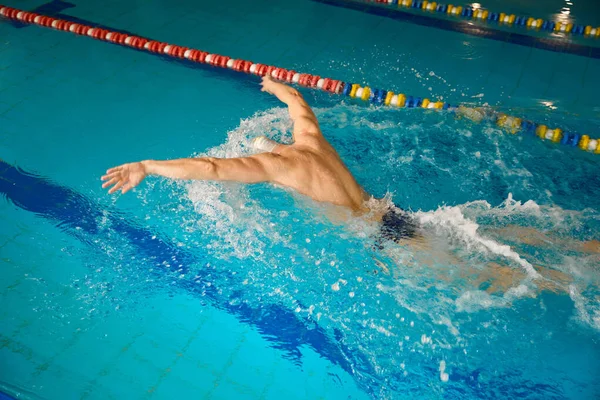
209 169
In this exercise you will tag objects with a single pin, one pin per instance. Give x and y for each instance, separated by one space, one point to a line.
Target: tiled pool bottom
169 346
93 326
66 91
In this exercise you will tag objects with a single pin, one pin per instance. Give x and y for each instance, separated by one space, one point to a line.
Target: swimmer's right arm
257 168
300 112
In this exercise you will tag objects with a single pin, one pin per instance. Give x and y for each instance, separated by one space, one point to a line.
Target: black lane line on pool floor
80 217
555 45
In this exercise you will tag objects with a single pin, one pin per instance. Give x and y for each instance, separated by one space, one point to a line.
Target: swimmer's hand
268 85
124 177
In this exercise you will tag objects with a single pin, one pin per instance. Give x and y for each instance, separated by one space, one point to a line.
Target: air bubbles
443 375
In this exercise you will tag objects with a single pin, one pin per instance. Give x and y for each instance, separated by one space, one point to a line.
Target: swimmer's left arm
257 168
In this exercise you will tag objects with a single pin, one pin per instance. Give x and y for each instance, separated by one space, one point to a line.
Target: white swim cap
264 144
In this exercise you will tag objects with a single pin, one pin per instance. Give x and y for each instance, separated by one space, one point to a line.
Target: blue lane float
354 90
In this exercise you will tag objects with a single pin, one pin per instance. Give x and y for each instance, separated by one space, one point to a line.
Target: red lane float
171 50
307 80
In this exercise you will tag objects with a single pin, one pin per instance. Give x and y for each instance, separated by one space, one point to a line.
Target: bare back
311 165
317 171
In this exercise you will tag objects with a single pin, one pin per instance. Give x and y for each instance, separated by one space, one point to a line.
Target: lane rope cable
376 96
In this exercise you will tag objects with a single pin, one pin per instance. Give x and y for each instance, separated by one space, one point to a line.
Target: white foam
227 208
425 339
543 217
380 329
451 220
477 300
443 375
588 311
246 229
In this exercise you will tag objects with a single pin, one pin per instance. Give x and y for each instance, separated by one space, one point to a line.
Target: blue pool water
225 291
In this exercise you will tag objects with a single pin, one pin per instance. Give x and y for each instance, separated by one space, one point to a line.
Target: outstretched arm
253 169
305 121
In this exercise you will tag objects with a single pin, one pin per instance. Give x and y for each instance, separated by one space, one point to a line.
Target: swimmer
310 166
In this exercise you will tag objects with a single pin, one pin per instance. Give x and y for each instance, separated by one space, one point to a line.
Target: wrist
148 166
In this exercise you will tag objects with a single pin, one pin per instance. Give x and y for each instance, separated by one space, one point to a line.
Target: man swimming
310 166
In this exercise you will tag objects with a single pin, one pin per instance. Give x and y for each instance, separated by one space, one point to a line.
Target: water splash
418 301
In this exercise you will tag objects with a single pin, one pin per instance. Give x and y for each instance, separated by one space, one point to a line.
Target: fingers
118 186
265 82
110 183
110 176
118 179
126 188
114 169
116 183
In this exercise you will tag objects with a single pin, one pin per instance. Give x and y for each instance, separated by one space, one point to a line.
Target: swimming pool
225 291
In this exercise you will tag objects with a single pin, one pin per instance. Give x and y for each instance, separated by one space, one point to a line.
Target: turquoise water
224 291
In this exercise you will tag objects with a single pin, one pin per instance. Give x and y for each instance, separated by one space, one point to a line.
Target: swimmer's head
263 144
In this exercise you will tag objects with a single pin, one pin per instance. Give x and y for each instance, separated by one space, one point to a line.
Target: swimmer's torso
314 169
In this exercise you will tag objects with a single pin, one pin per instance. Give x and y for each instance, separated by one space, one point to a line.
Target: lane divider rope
484 15
353 90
